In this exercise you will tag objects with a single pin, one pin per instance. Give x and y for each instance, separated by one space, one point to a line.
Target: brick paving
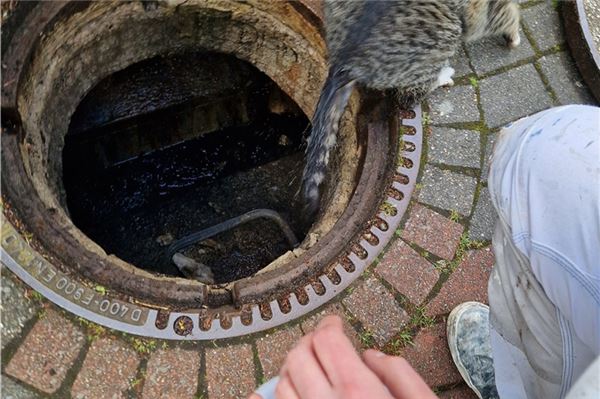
172 373
230 372
273 347
460 392
432 232
47 353
310 323
407 271
430 356
454 104
467 283
495 85
374 306
107 371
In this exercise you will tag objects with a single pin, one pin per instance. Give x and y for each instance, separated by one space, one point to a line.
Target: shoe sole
451 327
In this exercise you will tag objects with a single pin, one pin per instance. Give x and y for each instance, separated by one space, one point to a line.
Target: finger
398 376
337 355
305 372
285 389
255 396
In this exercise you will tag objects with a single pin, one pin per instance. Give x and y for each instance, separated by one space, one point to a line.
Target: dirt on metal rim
104 289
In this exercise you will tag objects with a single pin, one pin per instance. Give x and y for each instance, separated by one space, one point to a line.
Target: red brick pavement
407 271
109 367
431 357
230 371
172 373
432 232
467 283
274 346
47 353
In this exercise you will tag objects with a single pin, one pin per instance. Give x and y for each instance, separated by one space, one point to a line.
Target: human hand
324 365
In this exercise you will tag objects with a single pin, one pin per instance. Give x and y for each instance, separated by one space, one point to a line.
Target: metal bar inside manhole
230 224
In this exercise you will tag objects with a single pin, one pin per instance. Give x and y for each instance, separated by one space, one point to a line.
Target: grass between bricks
465 244
405 337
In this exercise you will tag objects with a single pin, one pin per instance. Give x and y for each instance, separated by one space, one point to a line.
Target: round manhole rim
139 318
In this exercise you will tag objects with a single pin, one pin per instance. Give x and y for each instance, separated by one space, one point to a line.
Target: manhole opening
82 114
177 144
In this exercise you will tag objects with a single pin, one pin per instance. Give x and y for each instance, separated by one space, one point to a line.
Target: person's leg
544 292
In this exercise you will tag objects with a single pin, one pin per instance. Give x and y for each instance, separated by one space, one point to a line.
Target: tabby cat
402 45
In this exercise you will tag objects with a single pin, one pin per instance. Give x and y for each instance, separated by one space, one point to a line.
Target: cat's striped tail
325 124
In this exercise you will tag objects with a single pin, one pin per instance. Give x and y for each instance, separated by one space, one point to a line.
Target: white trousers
544 291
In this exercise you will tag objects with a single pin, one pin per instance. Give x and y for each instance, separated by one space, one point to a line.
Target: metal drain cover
137 318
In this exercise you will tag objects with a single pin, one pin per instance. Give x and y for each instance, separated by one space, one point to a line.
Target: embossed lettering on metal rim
136 319
130 315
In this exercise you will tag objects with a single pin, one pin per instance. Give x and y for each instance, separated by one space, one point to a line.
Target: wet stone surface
454 147
9 389
447 190
543 22
512 95
567 84
484 217
490 54
453 104
16 309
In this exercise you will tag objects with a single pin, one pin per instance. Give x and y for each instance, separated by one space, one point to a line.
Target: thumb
397 375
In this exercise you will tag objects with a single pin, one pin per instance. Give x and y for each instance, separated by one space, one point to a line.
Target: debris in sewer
192 269
165 239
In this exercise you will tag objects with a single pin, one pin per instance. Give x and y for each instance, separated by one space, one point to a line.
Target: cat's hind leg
505 20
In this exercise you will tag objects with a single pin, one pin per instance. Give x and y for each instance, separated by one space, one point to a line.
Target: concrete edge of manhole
138 319
581 43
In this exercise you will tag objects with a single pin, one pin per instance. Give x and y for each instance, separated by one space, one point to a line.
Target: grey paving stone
454 147
454 104
543 23
11 390
460 63
487 157
16 309
564 79
491 53
484 217
447 190
511 95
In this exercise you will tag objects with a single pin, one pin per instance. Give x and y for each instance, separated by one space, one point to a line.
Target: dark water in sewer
133 208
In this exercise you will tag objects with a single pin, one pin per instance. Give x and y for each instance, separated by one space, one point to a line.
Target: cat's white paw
445 76
514 42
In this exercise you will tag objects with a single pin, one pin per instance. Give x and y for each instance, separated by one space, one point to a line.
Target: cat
403 45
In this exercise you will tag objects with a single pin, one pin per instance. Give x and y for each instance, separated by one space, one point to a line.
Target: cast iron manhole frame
135 317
